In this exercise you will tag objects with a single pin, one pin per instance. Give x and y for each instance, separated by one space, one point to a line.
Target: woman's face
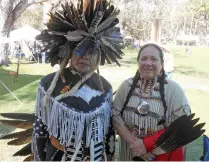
84 64
149 63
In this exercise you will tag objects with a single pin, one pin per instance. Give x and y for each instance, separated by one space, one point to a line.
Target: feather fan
23 121
180 133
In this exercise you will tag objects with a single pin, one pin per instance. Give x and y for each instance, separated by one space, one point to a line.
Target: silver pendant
143 108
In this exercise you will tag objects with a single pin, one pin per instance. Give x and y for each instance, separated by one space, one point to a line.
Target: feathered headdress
75 29
90 24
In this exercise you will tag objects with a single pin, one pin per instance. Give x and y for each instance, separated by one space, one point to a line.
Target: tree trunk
195 27
10 10
155 32
184 29
6 22
190 32
177 30
4 60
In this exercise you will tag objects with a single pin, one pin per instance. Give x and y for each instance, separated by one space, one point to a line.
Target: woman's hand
138 147
148 156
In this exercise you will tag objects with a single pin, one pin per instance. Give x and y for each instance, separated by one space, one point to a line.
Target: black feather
52 47
87 13
81 5
21 141
63 24
24 151
53 59
91 14
65 50
70 14
109 55
78 19
97 8
108 60
102 57
21 116
191 116
18 123
108 11
101 6
111 49
66 14
118 49
181 132
171 129
115 22
45 37
25 133
60 14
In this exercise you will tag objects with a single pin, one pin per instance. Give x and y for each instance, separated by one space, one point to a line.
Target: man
83 115
73 105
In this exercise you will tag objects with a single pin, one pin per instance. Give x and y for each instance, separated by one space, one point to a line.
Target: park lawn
193 69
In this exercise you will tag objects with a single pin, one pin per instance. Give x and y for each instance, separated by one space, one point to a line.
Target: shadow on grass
25 90
8 80
187 70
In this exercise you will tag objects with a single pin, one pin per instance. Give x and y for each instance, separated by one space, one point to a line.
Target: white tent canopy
24 33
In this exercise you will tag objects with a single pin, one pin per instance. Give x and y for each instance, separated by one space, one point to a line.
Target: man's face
84 64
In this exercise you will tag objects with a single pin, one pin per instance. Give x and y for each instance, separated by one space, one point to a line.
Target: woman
146 103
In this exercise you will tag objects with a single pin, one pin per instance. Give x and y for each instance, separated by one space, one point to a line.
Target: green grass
191 70
195 65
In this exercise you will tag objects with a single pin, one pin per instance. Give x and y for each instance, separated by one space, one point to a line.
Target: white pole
10 91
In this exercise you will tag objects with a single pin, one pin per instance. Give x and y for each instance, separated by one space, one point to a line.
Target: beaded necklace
68 87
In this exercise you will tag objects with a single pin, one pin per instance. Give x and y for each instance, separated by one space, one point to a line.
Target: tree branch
23 5
7 6
56 4
30 2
